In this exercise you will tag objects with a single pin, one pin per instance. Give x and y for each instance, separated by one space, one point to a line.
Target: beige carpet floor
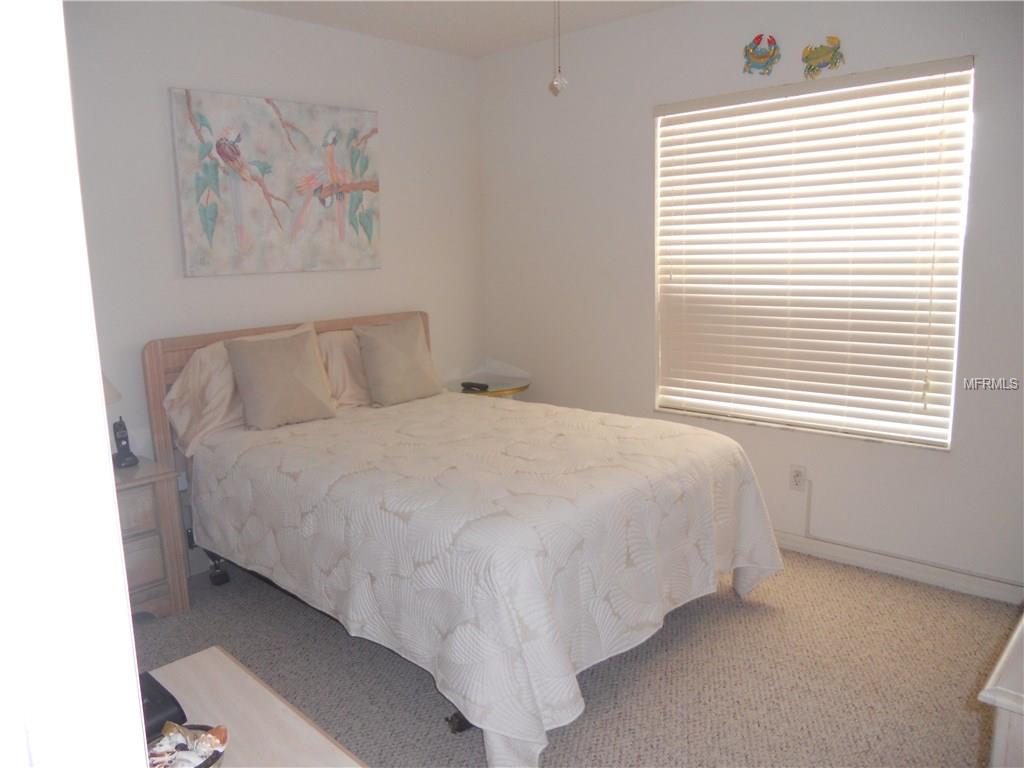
822 665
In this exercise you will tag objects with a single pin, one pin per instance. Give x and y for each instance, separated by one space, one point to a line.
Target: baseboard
929 574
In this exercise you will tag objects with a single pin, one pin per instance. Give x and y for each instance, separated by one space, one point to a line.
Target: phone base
124 460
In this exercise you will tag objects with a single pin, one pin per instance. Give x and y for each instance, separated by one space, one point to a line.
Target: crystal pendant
557 84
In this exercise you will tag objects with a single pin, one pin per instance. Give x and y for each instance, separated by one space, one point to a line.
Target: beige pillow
281 381
340 350
397 361
203 398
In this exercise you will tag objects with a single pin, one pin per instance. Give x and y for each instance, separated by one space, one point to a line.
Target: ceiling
472 29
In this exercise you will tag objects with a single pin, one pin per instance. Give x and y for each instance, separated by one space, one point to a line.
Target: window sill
794 428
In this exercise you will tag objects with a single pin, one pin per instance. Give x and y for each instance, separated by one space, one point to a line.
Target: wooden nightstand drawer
155 600
138 509
144 560
153 535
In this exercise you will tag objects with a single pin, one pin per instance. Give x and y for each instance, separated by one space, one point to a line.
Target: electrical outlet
797 478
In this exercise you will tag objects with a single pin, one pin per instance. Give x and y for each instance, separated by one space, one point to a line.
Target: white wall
123 59
569 253
567 228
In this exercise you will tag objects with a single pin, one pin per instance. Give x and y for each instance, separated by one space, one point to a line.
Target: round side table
495 387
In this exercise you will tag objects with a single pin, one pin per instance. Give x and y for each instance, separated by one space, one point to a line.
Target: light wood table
263 729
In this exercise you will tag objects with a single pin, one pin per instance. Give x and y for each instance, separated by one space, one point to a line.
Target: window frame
843 82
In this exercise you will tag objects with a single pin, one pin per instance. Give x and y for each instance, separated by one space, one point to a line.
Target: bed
503 546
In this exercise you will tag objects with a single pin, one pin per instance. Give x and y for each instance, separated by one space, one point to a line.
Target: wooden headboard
163 359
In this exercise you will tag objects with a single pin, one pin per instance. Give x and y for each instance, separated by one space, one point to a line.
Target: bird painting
249 171
332 187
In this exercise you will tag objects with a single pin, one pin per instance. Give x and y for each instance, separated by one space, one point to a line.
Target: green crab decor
819 57
761 58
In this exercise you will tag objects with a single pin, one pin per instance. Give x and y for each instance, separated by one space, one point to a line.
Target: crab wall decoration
819 57
761 58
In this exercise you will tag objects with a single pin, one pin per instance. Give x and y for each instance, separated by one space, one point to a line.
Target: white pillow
281 381
203 398
340 350
397 361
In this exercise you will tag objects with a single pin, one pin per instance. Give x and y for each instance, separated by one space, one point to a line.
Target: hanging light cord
558 38
557 82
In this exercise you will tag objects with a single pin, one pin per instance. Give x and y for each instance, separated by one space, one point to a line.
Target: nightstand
154 546
495 388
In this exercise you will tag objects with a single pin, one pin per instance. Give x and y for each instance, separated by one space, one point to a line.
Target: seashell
183 747
221 734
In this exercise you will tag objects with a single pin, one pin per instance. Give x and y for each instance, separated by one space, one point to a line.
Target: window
809 241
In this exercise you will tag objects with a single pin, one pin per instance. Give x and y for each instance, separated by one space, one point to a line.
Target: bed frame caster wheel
218 576
457 722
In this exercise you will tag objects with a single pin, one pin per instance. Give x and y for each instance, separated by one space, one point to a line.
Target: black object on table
158 706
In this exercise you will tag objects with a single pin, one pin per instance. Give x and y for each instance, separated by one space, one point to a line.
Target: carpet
822 665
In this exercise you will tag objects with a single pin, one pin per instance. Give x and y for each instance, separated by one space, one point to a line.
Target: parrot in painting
327 193
229 153
227 150
326 185
331 183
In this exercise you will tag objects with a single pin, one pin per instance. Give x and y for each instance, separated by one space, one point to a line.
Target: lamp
110 393
124 456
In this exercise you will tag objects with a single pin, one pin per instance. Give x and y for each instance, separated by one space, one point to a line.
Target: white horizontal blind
809 241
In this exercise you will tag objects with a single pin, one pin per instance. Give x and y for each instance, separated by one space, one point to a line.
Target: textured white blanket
502 546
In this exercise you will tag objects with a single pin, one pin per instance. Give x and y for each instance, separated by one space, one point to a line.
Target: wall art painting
821 57
761 54
267 185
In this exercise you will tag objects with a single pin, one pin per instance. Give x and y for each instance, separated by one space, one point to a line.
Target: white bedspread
502 546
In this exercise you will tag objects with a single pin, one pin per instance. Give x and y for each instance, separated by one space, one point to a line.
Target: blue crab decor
761 58
820 57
